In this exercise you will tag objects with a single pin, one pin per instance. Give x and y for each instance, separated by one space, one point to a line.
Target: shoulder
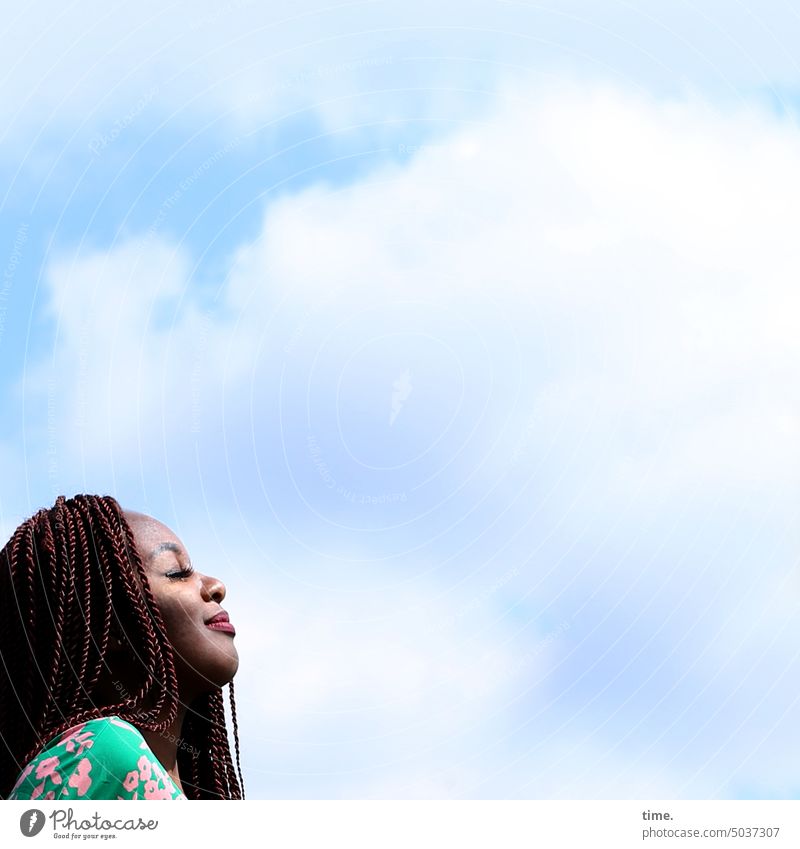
110 733
105 758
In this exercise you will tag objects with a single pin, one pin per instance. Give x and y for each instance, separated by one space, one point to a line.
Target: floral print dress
105 758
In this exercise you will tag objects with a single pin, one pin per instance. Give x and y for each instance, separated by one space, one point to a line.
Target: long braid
7 637
216 774
224 767
32 668
158 662
99 608
204 751
236 735
68 575
62 578
77 625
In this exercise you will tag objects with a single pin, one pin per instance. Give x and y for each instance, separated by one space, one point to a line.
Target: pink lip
221 625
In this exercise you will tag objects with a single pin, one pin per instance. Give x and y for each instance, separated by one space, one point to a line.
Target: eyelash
181 573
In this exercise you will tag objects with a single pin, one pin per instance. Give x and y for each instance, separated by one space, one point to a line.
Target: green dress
105 758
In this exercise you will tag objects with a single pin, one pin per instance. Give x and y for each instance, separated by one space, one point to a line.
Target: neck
164 744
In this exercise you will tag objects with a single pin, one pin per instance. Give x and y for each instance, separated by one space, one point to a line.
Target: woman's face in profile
205 656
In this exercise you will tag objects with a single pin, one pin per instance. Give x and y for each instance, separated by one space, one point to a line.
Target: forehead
151 536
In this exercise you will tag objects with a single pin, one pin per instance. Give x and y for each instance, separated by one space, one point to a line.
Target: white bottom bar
403 825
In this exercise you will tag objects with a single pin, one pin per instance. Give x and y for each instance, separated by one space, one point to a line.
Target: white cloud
639 255
368 691
656 240
401 660
104 381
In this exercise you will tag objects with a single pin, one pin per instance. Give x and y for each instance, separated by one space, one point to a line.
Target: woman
114 651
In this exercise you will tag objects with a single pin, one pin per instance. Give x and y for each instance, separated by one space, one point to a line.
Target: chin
205 677
225 672
230 676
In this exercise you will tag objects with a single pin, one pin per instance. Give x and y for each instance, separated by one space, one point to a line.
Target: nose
213 588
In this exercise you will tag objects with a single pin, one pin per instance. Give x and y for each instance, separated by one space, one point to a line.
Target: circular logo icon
31 822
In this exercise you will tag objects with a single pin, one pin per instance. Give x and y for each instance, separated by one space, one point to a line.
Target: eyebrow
164 546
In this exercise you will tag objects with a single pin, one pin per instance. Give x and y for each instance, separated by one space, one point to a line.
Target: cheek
176 620
185 630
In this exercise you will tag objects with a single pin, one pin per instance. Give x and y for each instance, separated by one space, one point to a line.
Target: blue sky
459 340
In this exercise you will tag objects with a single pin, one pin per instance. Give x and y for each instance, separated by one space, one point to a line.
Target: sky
459 340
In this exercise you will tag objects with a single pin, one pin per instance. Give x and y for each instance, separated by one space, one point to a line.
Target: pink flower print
47 769
71 732
161 793
37 791
80 778
25 773
50 794
153 791
144 768
131 780
158 773
83 740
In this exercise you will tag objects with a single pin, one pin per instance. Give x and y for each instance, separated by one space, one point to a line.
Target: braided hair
65 574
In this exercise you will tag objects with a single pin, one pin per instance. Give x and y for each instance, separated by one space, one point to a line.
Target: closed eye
181 573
